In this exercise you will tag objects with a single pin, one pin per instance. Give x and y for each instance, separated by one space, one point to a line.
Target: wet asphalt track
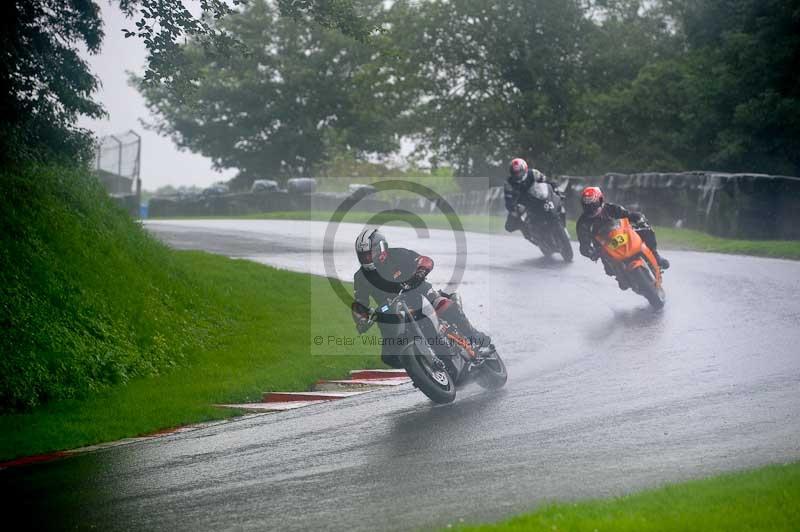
604 397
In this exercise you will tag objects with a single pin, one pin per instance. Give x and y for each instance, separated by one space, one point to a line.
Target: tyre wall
730 205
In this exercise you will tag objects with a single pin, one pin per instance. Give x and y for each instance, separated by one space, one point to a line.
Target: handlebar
374 312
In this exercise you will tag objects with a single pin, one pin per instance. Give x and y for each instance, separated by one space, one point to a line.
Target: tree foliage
496 78
301 94
573 85
46 84
610 85
730 102
340 15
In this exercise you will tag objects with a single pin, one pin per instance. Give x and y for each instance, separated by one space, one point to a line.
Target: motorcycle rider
517 198
596 211
383 273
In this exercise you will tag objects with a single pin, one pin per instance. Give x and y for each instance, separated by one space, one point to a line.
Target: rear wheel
647 287
492 374
435 382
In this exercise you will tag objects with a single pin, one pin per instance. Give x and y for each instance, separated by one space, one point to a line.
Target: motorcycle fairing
623 245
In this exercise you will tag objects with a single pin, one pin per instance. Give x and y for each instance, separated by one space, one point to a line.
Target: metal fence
117 162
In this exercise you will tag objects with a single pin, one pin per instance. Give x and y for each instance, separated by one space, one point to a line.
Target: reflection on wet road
604 396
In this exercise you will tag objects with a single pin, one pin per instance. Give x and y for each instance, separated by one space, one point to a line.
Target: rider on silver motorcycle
383 273
517 193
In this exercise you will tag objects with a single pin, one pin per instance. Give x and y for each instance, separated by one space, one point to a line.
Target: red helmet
592 201
518 169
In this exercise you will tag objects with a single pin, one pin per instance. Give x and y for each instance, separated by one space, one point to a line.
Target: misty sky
162 162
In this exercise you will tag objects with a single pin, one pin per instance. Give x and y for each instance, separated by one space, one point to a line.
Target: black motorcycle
438 377
546 227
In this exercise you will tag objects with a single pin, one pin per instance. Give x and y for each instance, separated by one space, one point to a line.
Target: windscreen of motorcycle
540 191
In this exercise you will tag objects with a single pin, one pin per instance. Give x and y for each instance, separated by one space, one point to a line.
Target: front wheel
527 232
492 375
434 382
647 287
564 244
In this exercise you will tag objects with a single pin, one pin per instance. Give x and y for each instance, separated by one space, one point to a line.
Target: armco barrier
254 203
730 205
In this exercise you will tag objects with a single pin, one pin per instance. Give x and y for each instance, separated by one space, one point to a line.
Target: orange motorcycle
632 262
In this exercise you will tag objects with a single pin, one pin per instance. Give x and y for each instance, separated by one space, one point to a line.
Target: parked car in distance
217 189
264 185
301 185
359 190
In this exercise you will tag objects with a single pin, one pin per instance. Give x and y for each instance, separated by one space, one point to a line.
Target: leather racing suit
516 193
588 227
396 269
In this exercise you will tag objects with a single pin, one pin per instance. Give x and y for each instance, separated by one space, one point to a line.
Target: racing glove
361 314
417 279
363 325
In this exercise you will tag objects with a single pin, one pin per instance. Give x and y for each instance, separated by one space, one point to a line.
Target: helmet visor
592 209
365 257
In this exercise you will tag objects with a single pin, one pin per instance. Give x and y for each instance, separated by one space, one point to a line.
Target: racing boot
481 342
662 262
512 222
484 346
448 306
649 237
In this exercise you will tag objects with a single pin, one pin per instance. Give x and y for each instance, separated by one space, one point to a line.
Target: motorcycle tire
492 374
565 245
647 287
528 235
436 384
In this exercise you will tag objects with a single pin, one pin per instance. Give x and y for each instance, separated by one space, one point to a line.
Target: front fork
423 347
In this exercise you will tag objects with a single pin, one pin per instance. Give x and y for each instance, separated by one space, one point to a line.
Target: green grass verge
689 239
763 499
107 333
259 340
668 237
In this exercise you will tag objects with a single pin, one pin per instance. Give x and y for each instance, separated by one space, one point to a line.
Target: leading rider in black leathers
383 273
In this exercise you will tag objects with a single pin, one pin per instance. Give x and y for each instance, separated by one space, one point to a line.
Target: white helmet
518 170
369 244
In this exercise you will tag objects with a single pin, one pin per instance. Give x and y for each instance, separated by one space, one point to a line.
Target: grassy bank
764 499
89 300
668 237
259 340
107 333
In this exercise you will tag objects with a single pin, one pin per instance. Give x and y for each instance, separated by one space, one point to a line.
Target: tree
46 85
753 47
300 94
731 102
340 15
496 79
640 125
